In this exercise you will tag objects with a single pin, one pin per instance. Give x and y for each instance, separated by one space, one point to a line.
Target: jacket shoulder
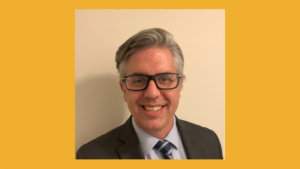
196 129
200 142
103 147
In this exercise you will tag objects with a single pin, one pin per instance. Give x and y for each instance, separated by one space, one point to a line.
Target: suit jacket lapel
130 147
190 143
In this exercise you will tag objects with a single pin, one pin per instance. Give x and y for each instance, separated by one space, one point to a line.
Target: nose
151 91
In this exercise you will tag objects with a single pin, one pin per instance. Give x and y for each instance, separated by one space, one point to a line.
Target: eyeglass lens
163 81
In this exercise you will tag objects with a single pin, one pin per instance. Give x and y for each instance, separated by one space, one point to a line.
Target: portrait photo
116 49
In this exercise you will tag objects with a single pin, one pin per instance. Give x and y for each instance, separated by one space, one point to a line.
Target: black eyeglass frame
152 77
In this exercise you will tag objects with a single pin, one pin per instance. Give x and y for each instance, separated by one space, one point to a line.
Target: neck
160 133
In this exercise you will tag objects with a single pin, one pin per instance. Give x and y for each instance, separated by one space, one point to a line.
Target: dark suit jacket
122 143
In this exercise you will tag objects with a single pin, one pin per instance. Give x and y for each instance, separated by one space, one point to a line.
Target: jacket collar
187 138
130 147
192 142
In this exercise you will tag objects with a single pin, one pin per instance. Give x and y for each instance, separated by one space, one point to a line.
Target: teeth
153 108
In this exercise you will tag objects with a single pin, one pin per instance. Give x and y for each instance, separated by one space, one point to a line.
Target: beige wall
98 34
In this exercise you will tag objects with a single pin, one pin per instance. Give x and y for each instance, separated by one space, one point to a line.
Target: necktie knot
164 147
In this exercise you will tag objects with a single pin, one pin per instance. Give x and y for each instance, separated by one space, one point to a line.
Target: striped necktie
164 147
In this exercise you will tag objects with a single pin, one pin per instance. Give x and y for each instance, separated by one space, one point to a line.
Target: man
150 65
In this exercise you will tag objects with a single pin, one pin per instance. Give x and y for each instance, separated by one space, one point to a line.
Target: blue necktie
164 147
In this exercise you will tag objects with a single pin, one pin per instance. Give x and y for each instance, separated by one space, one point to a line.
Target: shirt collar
173 136
147 141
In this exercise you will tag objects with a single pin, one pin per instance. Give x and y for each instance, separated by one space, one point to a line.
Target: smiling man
150 65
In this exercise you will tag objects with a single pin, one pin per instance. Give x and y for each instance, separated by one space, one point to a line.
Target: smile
153 108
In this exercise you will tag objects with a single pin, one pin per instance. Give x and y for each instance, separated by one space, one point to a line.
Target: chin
154 124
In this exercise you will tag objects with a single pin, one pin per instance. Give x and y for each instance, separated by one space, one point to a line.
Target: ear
123 88
181 83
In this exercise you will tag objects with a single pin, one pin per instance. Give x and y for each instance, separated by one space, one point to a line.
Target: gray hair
145 39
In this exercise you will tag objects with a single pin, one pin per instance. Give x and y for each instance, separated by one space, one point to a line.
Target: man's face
152 109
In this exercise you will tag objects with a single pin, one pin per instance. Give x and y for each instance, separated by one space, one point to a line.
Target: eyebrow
147 74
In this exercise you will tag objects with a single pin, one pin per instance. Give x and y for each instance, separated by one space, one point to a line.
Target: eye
165 79
137 81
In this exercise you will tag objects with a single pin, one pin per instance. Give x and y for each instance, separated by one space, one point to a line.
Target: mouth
153 108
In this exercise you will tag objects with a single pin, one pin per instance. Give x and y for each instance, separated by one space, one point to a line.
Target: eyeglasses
163 81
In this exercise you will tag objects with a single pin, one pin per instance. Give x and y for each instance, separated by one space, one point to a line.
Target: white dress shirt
147 143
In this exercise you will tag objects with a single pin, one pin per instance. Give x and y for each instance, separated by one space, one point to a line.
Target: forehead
151 61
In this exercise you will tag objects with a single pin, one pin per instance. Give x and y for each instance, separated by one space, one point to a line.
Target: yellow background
37 122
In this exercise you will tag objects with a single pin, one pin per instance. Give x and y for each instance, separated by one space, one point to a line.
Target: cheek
173 96
130 98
